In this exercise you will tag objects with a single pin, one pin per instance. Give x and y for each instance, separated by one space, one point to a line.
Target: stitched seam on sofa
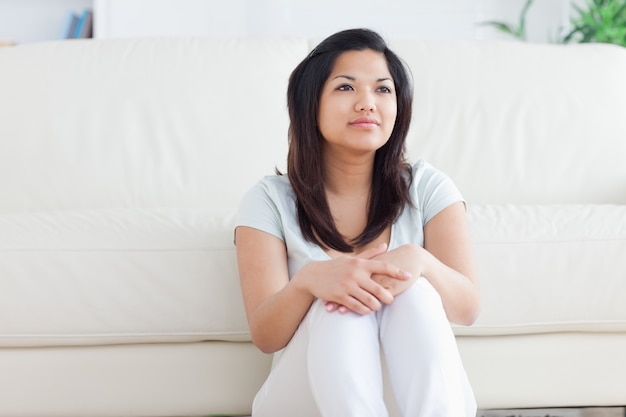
115 250
551 242
542 328
119 335
555 323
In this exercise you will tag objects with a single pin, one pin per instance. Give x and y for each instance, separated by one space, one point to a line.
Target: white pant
332 365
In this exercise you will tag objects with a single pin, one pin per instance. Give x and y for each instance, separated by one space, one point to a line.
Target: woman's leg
330 368
425 368
286 392
344 364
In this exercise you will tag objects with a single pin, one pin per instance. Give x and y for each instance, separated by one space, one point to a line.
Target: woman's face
358 103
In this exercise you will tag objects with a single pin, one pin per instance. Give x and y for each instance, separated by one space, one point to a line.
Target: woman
355 251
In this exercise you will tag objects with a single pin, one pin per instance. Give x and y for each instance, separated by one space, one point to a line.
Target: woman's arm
274 309
451 268
446 261
275 305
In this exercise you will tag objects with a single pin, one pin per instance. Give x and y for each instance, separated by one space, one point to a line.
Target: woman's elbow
468 313
267 345
469 318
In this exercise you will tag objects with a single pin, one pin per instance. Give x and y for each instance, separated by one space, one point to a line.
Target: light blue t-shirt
270 206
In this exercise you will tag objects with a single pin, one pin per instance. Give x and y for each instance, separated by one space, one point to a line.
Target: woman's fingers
365 294
331 306
367 298
384 268
362 302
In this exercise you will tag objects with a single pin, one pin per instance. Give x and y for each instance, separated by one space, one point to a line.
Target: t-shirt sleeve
434 190
258 210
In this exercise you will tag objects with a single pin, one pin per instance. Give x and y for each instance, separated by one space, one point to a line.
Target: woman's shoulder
428 180
276 188
264 206
273 182
432 189
423 169
276 180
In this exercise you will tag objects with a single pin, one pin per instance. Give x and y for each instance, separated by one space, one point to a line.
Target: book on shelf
84 27
71 20
78 25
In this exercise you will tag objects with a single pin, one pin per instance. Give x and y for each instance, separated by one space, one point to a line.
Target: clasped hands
363 283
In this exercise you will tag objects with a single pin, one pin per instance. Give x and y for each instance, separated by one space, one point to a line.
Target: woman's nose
365 103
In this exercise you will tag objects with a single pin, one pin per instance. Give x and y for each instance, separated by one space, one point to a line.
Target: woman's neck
348 179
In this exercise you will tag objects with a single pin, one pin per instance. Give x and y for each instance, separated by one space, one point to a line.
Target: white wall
437 19
37 20
429 19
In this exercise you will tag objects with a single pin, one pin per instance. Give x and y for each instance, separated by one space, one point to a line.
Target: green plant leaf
518 32
599 21
502 27
521 30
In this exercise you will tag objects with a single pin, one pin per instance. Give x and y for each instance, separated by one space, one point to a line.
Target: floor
557 412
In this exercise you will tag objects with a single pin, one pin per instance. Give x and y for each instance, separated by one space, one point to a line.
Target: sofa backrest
522 123
193 122
141 123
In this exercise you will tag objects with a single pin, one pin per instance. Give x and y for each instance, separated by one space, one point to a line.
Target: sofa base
194 379
579 369
150 380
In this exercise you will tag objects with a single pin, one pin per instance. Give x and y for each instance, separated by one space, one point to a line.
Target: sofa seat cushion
555 268
169 275
118 276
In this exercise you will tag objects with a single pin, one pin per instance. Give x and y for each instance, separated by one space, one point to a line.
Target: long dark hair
392 174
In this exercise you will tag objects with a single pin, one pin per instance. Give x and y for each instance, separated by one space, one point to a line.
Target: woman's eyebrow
351 78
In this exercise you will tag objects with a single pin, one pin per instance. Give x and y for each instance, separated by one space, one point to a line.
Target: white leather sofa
122 162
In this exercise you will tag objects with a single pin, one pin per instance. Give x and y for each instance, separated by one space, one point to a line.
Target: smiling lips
365 122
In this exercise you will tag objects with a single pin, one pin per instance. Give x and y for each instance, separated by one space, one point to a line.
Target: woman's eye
384 89
345 87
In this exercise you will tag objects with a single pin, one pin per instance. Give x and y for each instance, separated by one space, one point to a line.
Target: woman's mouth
365 122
